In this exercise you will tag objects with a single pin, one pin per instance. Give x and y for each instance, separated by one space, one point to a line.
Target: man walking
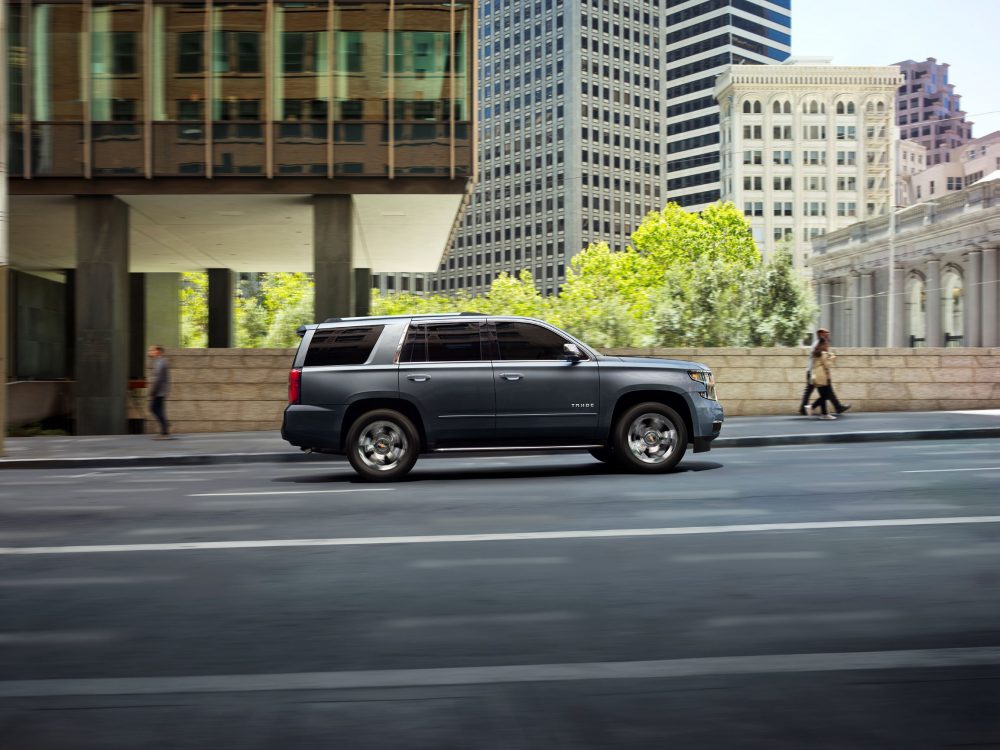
159 387
822 337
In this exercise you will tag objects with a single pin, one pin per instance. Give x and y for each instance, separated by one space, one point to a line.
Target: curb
749 441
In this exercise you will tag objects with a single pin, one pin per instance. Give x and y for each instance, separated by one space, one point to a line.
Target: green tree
194 310
512 296
780 305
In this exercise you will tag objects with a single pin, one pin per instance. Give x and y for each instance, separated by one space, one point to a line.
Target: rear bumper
316 427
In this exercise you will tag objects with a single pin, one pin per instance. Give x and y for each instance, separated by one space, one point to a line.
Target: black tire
604 454
650 438
382 445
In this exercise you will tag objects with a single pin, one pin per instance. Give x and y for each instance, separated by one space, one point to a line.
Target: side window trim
537 324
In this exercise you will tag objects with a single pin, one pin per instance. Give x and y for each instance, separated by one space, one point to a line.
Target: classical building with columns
944 285
152 137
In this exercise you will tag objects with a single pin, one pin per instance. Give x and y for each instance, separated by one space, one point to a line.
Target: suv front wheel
382 445
649 437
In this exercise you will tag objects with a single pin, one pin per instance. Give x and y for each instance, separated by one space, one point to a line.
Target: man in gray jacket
159 387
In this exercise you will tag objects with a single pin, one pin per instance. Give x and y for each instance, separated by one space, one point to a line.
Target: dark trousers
158 405
826 394
806 393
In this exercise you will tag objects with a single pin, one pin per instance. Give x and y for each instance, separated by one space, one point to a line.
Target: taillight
294 386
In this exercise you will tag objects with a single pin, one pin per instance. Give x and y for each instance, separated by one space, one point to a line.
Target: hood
674 364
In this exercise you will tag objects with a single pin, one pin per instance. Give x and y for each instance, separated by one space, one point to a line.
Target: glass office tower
703 38
240 89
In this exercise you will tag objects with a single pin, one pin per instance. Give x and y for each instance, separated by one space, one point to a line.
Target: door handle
418 378
511 375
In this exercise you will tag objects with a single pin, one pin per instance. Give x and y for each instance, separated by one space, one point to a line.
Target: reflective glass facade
228 89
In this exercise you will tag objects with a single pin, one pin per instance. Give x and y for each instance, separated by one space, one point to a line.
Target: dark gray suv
384 389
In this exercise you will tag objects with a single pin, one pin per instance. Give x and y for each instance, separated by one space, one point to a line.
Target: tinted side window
528 341
342 346
442 342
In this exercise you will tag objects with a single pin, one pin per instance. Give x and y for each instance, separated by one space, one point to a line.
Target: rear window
443 342
342 346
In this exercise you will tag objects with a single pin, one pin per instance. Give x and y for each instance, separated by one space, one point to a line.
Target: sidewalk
254 447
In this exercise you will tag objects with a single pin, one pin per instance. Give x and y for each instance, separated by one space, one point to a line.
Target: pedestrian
822 378
159 387
821 335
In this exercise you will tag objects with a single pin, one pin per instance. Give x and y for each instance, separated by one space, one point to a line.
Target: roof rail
409 315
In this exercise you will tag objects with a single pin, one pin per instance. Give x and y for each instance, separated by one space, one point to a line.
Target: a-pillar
897 307
221 292
973 297
163 309
101 361
854 315
934 336
333 235
866 305
362 291
991 289
824 299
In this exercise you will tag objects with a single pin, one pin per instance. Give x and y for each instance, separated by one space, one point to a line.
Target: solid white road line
153 531
815 618
488 561
942 471
487 675
514 618
510 537
927 507
84 581
739 556
292 492
57 637
973 551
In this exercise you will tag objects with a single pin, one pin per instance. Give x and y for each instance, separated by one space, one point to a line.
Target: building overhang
246 225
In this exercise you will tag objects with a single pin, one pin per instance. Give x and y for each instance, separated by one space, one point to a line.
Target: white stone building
807 147
945 287
911 159
964 165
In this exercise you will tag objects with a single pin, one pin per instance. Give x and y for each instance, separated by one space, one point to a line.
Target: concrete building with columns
807 147
153 137
944 288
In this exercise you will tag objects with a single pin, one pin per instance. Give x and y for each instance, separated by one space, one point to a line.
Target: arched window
788 108
845 108
776 108
746 107
952 306
870 107
757 109
880 107
850 108
915 300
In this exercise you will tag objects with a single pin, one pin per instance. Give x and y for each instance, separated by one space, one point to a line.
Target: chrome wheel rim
382 445
652 438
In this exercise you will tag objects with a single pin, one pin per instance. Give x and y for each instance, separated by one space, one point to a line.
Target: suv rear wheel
382 445
650 438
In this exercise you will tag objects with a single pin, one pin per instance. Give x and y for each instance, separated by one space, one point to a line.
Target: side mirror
572 352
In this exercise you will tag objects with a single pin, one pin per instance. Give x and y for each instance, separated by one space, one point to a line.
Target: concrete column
935 336
333 234
163 309
852 335
973 298
102 329
221 295
824 299
137 325
898 309
991 289
362 291
4 323
866 307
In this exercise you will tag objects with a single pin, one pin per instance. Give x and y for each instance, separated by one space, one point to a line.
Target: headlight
706 378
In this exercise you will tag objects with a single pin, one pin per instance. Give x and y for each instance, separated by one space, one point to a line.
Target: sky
963 33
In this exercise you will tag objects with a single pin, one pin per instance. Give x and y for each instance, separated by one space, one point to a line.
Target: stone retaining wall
225 390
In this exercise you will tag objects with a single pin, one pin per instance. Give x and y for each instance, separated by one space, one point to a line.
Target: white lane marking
514 618
975 550
488 561
292 492
153 531
84 581
57 637
849 507
486 675
978 412
508 537
739 556
816 618
941 471
701 513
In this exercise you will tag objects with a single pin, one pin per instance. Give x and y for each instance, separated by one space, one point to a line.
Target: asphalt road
838 596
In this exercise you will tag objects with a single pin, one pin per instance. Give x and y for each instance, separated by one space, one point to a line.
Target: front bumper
709 416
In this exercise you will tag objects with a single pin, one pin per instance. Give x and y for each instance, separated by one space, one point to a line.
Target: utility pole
4 250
